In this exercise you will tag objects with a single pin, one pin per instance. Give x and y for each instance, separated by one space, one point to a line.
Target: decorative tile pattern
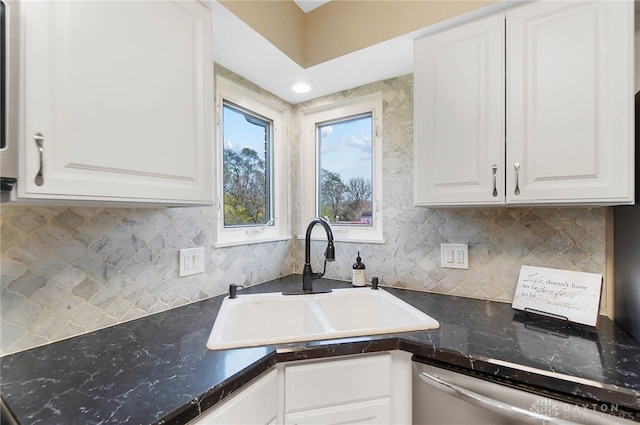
66 271
411 255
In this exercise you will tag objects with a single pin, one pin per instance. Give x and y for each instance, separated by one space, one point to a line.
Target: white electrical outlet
454 256
191 261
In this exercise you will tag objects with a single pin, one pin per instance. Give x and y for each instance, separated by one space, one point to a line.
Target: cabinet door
367 412
329 383
122 94
257 404
569 94
459 115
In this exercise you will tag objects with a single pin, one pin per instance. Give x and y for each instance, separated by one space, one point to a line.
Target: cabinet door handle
517 167
39 139
507 410
495 186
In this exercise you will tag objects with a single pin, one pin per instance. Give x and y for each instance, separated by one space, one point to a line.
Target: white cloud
361 143
326 130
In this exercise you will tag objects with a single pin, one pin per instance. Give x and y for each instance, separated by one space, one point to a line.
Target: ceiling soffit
341 27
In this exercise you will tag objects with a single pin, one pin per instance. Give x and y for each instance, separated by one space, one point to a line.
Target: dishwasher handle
487 402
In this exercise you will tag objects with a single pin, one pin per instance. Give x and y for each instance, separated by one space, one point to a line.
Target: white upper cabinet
567 116
459 115
121 96
569 102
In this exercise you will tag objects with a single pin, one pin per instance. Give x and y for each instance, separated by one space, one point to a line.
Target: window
246 167
341 163
345 181
251 189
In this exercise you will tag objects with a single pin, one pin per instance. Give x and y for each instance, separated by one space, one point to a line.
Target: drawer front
372 412
335 382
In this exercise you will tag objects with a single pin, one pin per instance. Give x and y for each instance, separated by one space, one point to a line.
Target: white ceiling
245 52
308 5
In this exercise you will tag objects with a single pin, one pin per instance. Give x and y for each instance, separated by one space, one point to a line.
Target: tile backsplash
70 270
500 241
66 271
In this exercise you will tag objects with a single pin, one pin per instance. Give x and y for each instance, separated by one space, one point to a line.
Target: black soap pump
359 278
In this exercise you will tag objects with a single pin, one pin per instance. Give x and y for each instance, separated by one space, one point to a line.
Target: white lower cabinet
366 412
256 404
355 390
359 389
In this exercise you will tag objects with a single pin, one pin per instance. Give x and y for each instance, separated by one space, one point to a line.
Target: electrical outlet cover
454 256
191 261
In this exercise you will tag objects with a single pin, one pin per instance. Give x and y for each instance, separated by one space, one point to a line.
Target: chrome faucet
308 276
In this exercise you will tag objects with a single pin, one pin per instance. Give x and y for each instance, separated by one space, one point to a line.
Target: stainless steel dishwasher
442 396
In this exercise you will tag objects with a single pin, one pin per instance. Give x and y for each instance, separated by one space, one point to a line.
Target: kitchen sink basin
372 310
260 319
273 318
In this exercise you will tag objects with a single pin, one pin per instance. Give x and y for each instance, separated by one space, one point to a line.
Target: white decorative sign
574 296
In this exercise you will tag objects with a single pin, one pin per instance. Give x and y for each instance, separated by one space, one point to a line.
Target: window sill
337 238
256 240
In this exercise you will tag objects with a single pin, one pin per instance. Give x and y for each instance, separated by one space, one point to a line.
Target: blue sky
238 133
345 147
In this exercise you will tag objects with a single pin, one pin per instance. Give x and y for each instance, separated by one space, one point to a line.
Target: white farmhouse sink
273 318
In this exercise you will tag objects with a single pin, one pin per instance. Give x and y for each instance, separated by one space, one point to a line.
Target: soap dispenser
359 277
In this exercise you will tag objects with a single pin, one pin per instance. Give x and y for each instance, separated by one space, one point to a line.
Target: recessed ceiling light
299 87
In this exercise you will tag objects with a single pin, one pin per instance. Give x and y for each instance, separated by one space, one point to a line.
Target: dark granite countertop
157 369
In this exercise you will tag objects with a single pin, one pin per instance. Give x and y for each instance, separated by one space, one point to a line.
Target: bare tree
332 193
359 195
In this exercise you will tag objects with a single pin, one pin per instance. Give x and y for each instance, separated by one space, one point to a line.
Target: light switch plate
191 261
454 256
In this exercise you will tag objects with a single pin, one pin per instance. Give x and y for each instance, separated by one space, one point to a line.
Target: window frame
252 102
309 163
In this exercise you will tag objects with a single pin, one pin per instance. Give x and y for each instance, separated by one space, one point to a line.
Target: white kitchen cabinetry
256 404
459 115
561 117
366 412
371 389
121 95
569 103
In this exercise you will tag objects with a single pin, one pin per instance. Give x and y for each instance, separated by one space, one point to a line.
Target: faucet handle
233 288
374 283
